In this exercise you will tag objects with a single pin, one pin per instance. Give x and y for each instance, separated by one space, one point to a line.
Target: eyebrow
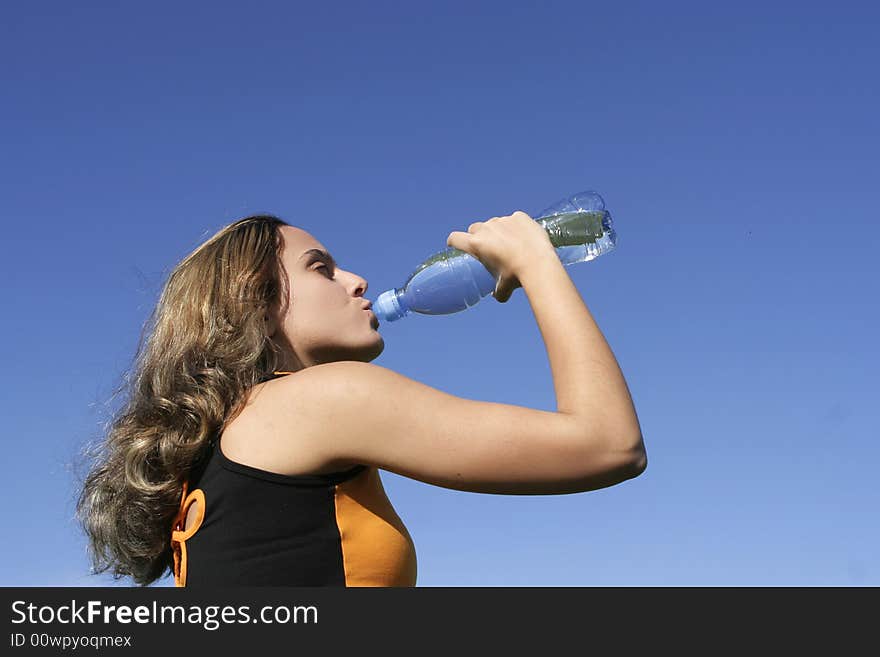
319 252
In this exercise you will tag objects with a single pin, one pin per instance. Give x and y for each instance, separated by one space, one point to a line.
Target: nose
361 286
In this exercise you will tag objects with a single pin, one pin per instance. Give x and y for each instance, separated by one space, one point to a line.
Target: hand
504 245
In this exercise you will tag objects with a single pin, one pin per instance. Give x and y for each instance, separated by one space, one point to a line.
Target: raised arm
364 413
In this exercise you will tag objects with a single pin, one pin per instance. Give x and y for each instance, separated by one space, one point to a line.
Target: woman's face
325 320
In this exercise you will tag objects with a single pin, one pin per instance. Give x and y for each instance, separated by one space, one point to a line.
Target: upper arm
369 414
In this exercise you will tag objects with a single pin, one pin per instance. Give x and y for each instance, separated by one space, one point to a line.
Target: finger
500 293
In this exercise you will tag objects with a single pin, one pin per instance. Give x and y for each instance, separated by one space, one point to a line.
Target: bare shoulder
304 404
276 431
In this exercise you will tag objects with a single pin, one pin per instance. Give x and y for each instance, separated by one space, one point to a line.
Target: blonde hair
207 344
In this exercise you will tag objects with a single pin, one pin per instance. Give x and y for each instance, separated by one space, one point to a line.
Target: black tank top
259 528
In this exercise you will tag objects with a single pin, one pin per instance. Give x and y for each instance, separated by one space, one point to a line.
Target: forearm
586 376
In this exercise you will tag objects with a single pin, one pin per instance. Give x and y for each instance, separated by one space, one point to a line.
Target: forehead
295 241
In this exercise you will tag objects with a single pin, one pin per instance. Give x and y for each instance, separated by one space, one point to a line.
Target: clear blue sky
735 145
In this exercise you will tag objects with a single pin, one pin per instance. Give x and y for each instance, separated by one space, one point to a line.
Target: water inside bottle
580 236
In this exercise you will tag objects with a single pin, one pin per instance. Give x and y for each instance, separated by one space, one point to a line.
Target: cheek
317 315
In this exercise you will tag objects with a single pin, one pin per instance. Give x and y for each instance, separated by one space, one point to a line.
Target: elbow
631 467
621 467
636 460
638 464
626 443
623 461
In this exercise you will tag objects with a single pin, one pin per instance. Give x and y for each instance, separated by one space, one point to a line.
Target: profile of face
324 319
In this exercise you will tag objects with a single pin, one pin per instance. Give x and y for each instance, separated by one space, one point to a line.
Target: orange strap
179 535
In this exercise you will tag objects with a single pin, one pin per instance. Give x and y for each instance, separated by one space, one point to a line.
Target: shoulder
283 428
327 381
317 397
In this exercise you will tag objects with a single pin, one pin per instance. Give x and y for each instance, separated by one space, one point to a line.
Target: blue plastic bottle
452 280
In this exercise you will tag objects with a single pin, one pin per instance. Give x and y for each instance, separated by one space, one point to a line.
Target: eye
325 268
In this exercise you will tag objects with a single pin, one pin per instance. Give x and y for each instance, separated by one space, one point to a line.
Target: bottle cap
386 306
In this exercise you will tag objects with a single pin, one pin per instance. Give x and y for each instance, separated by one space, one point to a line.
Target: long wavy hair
206 344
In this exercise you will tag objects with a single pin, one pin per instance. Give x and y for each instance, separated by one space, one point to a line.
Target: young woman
249 449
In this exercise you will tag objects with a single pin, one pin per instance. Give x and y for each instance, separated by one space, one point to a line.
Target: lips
374 320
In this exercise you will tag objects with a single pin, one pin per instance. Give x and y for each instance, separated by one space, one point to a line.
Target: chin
364 350
376 349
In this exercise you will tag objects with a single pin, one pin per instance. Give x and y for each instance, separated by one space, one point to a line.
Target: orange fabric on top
179 535
377 549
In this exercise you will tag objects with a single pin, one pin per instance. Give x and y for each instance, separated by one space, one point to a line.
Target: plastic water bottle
452 280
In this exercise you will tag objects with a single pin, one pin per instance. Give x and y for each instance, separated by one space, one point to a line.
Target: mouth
373 319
